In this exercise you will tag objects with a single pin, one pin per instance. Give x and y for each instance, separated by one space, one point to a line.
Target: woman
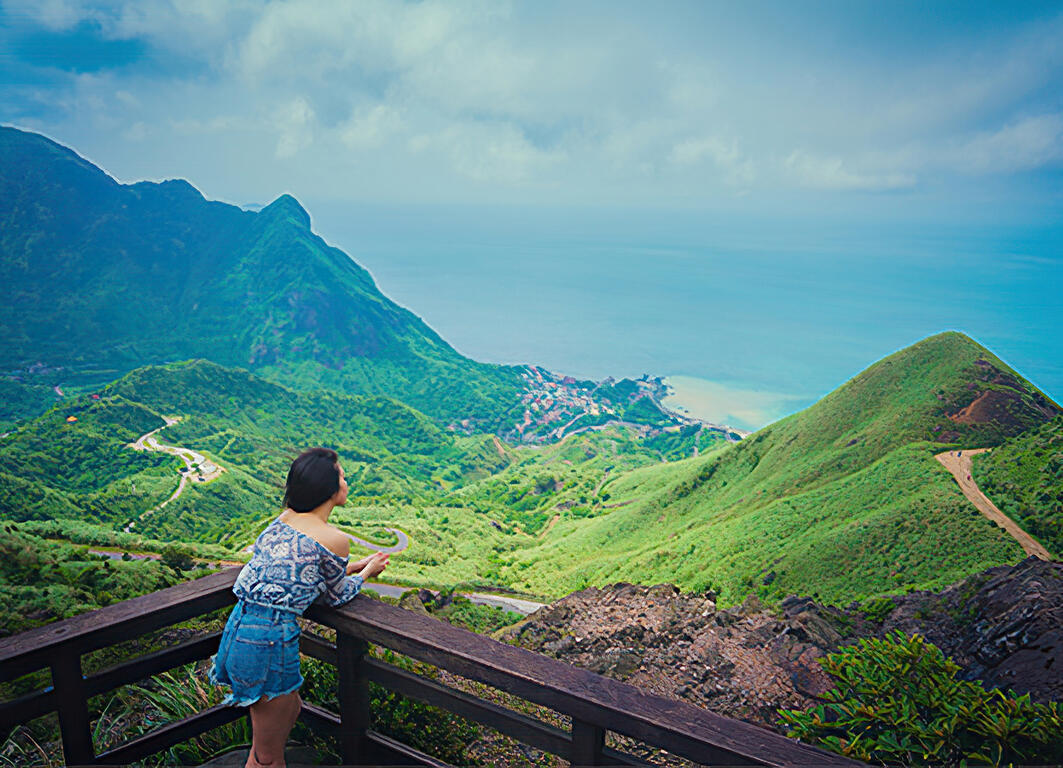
298 559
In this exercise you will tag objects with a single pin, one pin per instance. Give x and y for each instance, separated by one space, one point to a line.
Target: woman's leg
271 723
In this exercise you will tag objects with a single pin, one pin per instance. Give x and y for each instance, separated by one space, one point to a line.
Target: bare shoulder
335 540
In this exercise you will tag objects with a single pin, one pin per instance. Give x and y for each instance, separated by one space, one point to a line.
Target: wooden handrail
34 648
678 726
595 704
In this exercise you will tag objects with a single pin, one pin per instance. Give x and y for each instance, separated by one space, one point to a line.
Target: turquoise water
776 313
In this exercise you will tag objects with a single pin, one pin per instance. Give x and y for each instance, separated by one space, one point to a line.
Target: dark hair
313 479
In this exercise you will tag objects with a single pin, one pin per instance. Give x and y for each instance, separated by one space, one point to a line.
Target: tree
178 558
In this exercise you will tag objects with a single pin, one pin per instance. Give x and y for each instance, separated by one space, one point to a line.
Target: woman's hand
376 565
358 565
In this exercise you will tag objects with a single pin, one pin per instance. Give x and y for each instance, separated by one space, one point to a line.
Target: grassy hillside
42 580
55 467
842 500
466 501
1024 478
100 278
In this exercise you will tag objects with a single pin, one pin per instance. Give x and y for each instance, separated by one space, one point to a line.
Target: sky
786 128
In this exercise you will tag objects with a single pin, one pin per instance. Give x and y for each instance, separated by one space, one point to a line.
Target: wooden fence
594 704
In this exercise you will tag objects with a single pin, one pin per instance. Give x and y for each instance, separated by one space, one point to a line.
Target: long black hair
313 479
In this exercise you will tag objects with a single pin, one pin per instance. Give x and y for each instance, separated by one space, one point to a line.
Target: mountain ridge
105 277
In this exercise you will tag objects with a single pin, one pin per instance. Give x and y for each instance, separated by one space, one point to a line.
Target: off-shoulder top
289 570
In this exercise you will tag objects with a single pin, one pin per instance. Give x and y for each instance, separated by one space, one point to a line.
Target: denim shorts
258 654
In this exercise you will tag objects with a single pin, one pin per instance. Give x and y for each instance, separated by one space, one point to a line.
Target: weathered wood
73 710
25 708
317 647
152 663
33 649
588 741
677 726
320 720
354 698
387 751
599 702
171 734
612 757
521 727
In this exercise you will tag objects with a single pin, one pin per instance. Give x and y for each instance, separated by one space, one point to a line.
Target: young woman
298 559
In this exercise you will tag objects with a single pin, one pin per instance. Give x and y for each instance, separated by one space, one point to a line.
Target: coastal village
556 406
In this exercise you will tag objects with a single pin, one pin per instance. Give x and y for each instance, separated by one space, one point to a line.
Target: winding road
959 464
205 470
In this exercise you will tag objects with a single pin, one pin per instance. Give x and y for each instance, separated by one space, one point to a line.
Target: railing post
353 697
588 741
73 709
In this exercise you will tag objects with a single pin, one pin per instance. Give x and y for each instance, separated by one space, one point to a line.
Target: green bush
897 701
435 731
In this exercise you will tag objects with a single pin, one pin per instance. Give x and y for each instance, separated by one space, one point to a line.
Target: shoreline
679 408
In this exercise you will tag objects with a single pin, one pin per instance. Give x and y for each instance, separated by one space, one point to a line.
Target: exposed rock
744 663
1003 626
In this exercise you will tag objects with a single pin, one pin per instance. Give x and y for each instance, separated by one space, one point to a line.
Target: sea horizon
754 327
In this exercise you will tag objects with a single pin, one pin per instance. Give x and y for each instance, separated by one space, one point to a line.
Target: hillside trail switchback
960 467
197 466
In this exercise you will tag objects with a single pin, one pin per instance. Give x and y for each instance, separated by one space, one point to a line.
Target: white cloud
725 155
1030 143
515 99
136 132
55 15
294 124
832 173
488 153
369 128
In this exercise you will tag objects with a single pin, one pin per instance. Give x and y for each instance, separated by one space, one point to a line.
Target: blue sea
751 320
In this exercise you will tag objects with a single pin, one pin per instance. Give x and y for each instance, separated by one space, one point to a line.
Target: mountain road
959 464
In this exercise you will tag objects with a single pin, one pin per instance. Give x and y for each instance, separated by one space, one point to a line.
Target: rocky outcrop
745 662
1003 626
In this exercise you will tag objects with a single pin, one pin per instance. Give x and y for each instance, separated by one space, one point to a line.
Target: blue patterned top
289 570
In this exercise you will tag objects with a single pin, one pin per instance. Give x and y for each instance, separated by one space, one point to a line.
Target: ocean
749 320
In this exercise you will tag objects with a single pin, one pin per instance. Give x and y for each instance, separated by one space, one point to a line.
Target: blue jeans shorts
258 654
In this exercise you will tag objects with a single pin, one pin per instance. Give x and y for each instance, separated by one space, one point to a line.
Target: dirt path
960 467
205 470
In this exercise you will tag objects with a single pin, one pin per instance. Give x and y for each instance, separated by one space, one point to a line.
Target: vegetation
201 278
897 701
19 401
849 480
42 580
1024 478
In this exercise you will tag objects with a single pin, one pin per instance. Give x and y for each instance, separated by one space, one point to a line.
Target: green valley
850 480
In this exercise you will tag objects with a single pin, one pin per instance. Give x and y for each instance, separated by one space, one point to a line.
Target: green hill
843 500
101 278
56 468
1024 478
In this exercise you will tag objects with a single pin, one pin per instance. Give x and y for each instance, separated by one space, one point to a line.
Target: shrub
897 701
432 730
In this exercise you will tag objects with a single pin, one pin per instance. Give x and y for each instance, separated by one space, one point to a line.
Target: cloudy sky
889 104
765 197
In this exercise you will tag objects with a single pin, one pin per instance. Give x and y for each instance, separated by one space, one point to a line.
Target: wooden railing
595 704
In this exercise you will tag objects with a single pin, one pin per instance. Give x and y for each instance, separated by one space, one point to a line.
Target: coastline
718 406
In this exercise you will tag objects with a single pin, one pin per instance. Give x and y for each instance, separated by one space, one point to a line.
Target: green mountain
101 278
75 462
843 500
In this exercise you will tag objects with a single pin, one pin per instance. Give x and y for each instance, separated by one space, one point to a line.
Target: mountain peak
287 206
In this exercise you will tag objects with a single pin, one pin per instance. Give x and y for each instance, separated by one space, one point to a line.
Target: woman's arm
341 588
